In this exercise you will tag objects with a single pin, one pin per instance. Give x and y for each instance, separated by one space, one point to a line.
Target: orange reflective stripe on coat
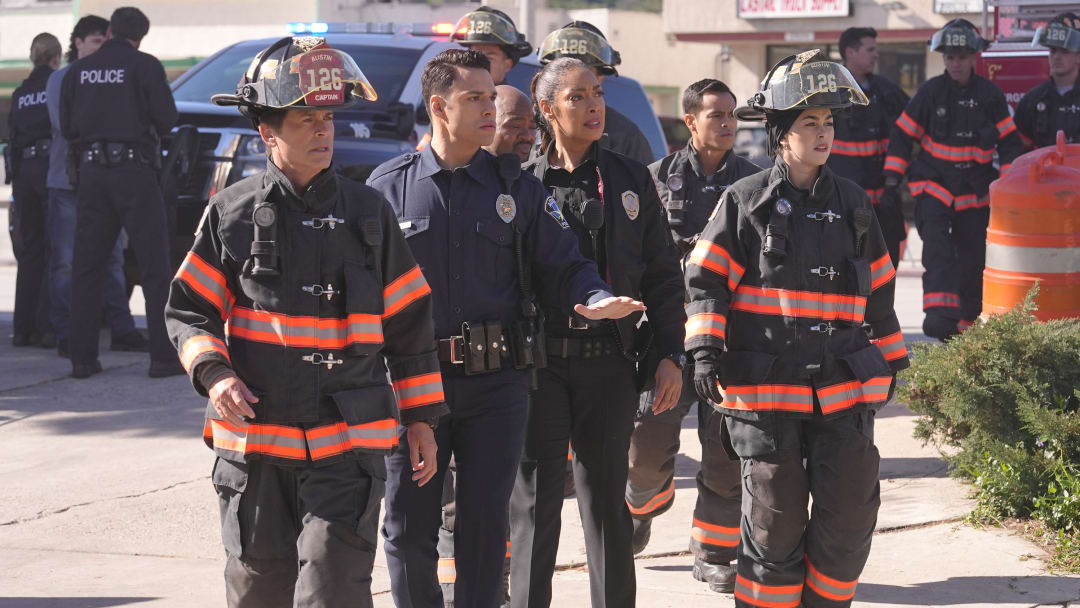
201 345
717 259
767 596
783 302
658 501
415 391
1005 126
712 534
892 346
769 398
931 188
940 299
447 571
827 587
705 324
403 291
860 148
895 163
881 272
309 332
848 394
297 444
956 154
207 281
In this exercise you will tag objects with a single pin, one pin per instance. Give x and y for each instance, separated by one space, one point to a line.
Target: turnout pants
300 536
789 560
111 198
650 486
484 433
590 402
31 280
954 255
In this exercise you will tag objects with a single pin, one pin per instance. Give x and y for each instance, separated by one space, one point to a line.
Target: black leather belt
584 348
452 350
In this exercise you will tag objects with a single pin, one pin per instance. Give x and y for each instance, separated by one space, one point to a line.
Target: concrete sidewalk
107 502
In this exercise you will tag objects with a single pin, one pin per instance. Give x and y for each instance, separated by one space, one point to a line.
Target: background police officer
862 133
297 298
584 41
959 120
30 132
1054 105
466 217
493 33
690 182
793 332
115 106
86 38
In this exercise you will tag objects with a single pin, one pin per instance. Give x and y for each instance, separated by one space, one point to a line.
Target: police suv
392 57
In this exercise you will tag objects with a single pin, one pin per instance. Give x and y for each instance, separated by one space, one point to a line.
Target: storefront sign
958 7
792 9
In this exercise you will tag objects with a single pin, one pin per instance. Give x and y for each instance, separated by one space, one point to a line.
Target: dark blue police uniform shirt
459 235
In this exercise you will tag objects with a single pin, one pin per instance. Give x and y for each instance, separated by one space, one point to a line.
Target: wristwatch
679 359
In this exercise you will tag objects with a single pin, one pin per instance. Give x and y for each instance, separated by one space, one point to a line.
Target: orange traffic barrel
1034 233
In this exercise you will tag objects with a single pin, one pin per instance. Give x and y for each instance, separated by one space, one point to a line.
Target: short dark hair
439 73
694 95
272 117
90 24
852 38
129 23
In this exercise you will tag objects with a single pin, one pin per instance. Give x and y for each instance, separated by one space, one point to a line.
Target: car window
387 68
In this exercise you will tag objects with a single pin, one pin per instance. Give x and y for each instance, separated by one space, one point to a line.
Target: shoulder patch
552 208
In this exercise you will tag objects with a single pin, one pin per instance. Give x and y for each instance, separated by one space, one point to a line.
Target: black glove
890 214
707 374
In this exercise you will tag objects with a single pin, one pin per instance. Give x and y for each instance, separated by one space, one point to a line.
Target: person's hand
610 308
668 386
891 215
707 375
230 398
422 452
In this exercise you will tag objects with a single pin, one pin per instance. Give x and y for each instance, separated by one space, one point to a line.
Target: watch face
265 215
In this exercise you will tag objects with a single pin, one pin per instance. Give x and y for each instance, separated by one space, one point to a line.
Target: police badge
631 204
506 207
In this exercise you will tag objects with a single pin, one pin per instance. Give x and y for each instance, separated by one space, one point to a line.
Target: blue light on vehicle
318 28
295 28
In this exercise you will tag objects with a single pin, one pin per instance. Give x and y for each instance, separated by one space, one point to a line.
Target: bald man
515 129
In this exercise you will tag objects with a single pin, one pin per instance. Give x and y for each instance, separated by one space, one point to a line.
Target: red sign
1015 73
321 77
792 9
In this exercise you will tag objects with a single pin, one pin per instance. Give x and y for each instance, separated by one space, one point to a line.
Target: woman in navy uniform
588 394
793 334
297 298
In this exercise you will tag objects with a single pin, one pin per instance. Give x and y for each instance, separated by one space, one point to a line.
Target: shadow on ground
967 590
70 602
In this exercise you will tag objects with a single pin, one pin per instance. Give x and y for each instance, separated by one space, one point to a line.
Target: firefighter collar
694 159
321 191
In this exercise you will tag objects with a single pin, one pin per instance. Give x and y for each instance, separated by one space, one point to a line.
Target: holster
484 347
645 378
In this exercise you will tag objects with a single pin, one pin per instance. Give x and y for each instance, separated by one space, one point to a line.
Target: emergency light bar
418 28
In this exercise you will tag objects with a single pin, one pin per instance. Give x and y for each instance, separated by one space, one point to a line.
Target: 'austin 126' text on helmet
580 40
490 26
806 80
958 36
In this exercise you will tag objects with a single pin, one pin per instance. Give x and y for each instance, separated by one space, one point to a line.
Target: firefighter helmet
958 36
1062 32
491 26
301 72
806 80
580 40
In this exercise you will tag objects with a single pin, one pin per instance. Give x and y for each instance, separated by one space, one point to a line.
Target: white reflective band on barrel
1046 260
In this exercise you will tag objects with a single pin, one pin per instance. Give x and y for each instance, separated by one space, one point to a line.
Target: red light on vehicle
443 29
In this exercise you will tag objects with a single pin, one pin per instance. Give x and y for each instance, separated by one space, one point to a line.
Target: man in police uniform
862 133
1055 104
493 33
485 319
584 41
297 297
28 125
115 106
690 183
959 119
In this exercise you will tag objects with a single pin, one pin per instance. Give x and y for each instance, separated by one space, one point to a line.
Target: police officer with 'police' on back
115 106
479 230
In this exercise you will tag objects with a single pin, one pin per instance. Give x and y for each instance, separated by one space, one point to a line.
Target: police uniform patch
552 209
675 182
783 206
1041 107
631 204
506 207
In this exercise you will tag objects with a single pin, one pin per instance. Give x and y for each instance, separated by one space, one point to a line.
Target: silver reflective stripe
717 538
1047 260
429 388
845 592
403 290
782 599
790 303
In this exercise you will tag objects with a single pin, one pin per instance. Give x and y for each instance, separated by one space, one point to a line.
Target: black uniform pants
484 432
299 536
127 197
650 486
954 255
786 558
31 282
590 402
